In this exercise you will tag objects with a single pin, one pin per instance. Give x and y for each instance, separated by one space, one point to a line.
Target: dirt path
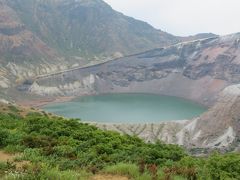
108 177
6 157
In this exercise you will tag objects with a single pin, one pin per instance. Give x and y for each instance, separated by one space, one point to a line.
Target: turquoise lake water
127 108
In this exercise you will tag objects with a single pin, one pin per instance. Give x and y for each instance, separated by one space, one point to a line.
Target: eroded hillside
41 37
197 70
218 128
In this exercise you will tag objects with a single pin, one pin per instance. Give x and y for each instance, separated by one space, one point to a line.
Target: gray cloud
184 17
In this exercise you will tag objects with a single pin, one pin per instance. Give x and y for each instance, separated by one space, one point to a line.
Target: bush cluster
64 145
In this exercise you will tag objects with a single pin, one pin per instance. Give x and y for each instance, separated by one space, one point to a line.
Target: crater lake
127 108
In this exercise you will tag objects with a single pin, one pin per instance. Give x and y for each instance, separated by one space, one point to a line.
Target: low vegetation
56 148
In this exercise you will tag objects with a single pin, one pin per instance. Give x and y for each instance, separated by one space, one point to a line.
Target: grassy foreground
50 147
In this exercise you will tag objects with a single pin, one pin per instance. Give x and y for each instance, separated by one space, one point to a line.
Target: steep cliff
197 70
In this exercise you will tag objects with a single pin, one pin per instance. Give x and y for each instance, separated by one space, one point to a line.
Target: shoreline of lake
133 107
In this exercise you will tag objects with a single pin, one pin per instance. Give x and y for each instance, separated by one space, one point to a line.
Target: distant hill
87 28
198 36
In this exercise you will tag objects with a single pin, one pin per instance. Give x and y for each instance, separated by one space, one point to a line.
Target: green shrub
13 108
224 166
124 169
65 151
14 148
66 164
3 166
53 174
43 171
145 176
65 146
33 155
38 141
3 136
6 166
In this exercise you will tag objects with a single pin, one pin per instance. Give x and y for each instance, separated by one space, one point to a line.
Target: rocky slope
20 49
220 126
197 70
216 129
46 36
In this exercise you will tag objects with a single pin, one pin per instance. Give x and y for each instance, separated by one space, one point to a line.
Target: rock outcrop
220 126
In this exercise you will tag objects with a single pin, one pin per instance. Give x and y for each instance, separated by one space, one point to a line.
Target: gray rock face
220 126
197 70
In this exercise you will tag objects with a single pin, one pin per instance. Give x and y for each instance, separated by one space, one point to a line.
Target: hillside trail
108 177
6 157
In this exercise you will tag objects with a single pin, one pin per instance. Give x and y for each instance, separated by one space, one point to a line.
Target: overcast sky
184 17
